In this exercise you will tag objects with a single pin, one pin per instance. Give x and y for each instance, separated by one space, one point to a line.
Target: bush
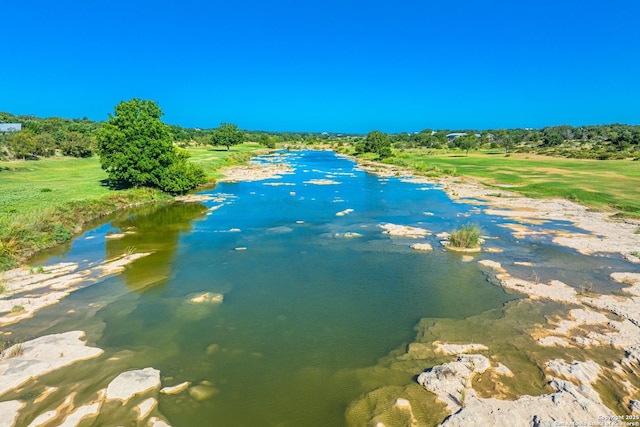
180 177
467 236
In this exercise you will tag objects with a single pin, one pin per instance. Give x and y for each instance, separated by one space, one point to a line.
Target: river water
310 297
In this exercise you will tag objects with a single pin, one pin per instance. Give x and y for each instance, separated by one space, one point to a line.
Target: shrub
467 236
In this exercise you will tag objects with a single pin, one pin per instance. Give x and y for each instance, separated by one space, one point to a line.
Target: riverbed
288 297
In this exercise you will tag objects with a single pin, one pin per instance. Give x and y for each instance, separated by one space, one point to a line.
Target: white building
10 127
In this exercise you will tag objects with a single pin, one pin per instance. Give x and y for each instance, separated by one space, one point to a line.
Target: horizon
328 67
338 132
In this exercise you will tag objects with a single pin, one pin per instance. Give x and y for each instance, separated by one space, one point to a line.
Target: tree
22 144
466 142
77 144
136 149
227 134
266 141
45 145
375 142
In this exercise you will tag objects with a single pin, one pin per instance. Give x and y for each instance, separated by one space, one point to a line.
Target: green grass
467 236
599 184
46 202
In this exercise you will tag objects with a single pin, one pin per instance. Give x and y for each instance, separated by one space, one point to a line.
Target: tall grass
467 236
30 232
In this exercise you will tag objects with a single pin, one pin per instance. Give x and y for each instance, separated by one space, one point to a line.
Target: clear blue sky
330 65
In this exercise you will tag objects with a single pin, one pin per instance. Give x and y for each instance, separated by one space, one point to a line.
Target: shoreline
590 322
615 311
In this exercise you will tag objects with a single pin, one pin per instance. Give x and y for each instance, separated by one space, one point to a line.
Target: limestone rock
583 372
157 422
82 413
131 383
422 247
448 380
404 231
445 348
202 392
176 389
145 408
9 412
205 297
41 356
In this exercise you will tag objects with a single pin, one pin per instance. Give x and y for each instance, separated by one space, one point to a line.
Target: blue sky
331 65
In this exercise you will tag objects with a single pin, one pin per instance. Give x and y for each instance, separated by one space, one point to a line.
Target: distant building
10 127
452 136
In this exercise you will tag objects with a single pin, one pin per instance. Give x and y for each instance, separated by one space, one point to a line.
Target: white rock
551 341
404 230
41 356
176 389
145 408
583 372
205 297
131 383
448 380
82 413
9 412
422 247
157 422
445 348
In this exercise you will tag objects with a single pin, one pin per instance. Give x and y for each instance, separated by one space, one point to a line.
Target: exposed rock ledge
53 284
451 383
136 389
22 363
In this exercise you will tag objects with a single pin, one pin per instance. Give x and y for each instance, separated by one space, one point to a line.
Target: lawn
45 202
600 184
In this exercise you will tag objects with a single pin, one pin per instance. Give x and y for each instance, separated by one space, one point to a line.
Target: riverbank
574 353
47 202
557 332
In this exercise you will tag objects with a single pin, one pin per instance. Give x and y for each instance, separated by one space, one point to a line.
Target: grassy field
599 184
45 202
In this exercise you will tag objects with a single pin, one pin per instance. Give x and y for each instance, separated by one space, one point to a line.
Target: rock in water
202 392
176 389
131 383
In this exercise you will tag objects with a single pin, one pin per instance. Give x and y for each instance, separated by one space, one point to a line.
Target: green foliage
181 176
136 149
376 142
17 309
467 236
227 134
22 144
266 141
77 144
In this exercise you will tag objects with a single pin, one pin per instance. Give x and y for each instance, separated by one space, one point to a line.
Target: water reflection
156 230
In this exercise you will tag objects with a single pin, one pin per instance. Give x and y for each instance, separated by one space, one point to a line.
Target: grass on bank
46 202
599 184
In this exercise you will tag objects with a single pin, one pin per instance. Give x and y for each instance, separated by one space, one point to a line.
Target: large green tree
375 142
136 149
227 134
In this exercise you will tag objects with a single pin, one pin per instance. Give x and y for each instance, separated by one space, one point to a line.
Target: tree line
137 149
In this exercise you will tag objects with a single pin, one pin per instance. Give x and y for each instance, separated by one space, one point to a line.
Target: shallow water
304 306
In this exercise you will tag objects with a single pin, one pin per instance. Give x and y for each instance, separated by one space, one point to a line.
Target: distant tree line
42 137
613 141
46 137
